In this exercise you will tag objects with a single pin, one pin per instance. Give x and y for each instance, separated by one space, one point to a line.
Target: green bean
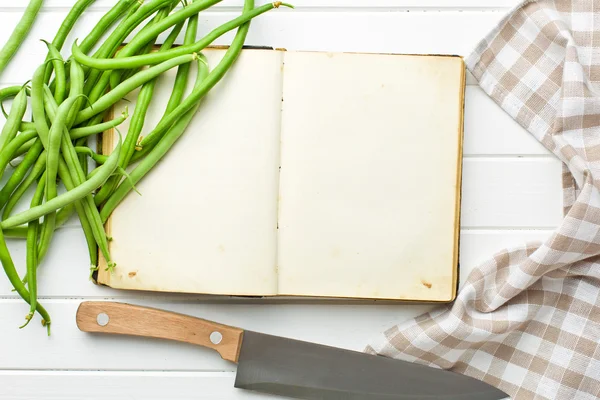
32 253
18 35
11 127
106 22
129 85
20 172
26 126
78 176
23 149
135 128
8 92
70 196
157 57
16 233
83 219
116 77
182 71
37 104
104 50
13 277
8 151
63 31
166 143
117 37
137 123
76 90
99 158
20 232
150 34
52 161
59 71
25 146
71 167
197 93
86 131
69 183
38 168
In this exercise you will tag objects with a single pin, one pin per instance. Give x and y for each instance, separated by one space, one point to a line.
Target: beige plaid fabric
528 320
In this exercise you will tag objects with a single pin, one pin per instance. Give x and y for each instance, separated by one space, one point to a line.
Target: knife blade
289 367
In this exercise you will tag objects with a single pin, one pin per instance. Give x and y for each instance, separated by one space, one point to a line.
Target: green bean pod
106 101
139 115
13 277
37 104
65 28
19 173
99 158
182 71
26 126
116 77
70 167
9 91
32 253
104 50
158 57
58 63
76 90
18 35
70 196
86 131
70 183
52 161
17 110
106 22
7 153
38 169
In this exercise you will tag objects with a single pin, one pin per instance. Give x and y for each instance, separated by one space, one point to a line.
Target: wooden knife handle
127 319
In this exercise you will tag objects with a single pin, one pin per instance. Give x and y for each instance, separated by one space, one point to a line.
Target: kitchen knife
288 367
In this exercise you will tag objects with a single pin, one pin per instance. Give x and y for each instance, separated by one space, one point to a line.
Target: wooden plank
494 5
489 130
100 385
511 192
478 246
447 32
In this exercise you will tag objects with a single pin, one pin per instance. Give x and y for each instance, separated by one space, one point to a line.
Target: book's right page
369 191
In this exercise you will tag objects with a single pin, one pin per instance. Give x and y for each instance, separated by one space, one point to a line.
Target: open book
303 174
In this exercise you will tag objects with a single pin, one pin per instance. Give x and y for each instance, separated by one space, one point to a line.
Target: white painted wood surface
511 194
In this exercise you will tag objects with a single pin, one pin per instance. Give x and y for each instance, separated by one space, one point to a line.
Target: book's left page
206 220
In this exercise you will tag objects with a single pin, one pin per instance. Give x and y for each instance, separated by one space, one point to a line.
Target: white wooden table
511 193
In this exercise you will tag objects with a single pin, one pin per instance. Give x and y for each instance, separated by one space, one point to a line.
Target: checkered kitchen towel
528 320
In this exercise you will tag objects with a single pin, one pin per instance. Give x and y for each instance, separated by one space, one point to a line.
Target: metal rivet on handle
102 319
216 337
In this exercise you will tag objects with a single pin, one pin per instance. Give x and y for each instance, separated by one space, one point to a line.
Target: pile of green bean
70 99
